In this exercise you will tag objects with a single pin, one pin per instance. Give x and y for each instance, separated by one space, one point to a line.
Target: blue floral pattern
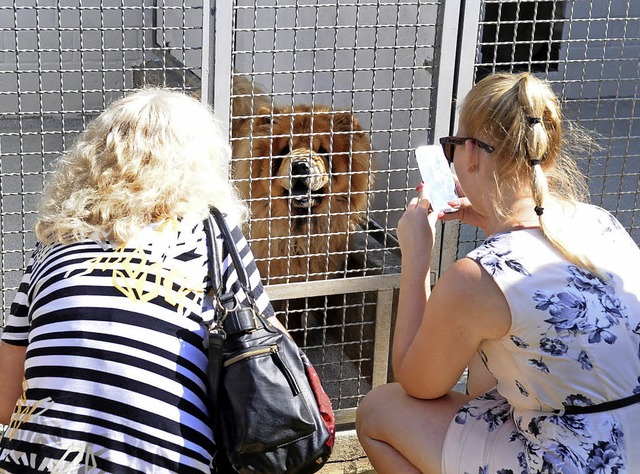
493 417
567 325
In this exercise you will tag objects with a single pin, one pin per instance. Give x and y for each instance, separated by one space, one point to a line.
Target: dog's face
307 162
307 175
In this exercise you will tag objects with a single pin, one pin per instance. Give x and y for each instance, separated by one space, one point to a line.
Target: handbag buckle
215 331
241 320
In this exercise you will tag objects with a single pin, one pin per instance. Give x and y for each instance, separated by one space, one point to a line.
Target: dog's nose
305 170
300 168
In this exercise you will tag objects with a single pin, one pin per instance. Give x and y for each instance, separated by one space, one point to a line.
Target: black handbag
270 413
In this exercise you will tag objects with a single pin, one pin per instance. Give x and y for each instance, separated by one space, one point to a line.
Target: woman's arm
432 348
416 234
12 370
479 379
438 331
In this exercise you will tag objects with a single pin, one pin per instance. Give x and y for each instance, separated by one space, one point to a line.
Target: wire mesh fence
329 100
60 64
348 82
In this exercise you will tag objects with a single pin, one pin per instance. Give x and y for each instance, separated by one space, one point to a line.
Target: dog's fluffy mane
306 172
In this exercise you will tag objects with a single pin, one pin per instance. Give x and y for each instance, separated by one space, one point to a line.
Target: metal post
467 48
208 45
446 67
222 71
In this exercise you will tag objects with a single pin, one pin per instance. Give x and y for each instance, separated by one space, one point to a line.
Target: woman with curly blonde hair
102 357
542 313
153 155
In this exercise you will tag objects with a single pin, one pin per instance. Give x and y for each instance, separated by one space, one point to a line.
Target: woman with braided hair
545 312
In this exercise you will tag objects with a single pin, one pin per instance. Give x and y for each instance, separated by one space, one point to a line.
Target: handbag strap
229 244
215 274
215 334
234 318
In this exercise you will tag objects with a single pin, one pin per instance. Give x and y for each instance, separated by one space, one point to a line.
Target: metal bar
345 415
449 248
208 47
446 253
465 16
223 17
332 287
467 48
384 312
446 69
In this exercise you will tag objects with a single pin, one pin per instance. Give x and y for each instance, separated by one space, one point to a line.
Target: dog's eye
284 151
322 150
276 161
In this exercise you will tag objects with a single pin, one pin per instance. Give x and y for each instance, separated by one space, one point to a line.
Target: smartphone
437 177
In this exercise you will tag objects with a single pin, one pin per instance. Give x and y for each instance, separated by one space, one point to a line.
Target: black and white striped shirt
115 365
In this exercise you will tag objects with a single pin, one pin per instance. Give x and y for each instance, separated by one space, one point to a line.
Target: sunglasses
449 145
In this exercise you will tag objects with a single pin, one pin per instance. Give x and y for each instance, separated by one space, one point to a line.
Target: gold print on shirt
24 412
132 280
78 454
136 275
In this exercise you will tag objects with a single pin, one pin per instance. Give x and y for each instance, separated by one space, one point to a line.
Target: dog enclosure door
328 102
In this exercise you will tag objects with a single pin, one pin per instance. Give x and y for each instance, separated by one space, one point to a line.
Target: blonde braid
538 105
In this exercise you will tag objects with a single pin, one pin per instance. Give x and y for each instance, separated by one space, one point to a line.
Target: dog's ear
345 122
265 115
262 116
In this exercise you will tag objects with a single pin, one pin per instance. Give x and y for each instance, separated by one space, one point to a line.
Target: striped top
115 365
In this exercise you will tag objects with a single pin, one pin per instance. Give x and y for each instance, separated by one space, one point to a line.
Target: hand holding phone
437 177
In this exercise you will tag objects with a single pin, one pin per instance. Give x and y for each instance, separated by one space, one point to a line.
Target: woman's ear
471 156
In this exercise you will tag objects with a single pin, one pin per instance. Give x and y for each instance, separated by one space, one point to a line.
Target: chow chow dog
306 173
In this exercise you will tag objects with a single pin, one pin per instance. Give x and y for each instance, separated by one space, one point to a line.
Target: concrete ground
348 457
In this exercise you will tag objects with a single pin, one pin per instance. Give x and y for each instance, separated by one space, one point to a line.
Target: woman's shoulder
590 213
472 292
465 273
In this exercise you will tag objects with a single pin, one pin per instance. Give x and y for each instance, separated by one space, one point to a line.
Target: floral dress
574 341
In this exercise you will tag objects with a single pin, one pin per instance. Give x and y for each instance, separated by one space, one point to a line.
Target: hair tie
534 120
539 210
534 162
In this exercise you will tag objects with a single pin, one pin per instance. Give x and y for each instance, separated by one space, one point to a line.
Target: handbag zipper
250 353
278 361
295 388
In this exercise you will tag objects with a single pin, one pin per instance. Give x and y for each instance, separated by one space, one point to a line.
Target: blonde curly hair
151 155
